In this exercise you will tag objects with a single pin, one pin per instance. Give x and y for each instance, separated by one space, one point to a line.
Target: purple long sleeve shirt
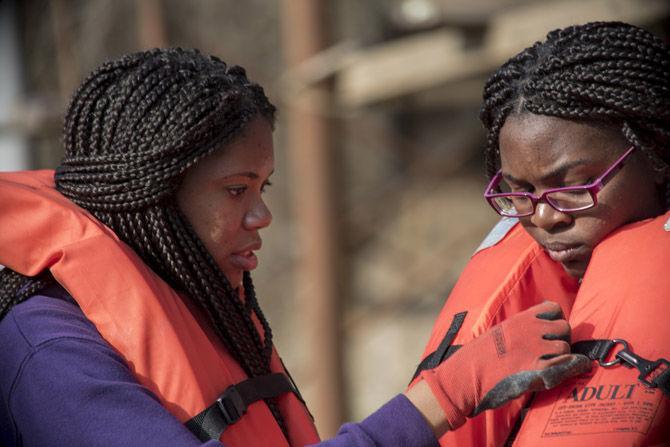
62 384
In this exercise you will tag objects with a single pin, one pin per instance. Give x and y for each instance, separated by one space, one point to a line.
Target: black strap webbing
653 373
593 349
445 350
233 403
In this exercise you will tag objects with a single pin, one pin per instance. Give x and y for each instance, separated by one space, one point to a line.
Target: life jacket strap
446 349
230 406
653 373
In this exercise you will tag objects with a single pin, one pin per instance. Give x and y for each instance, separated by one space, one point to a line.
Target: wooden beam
151 24
476 12
67 62
439 59
313 168
513 30
406 66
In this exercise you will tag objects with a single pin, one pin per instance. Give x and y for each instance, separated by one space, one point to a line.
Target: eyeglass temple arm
494 181
616 167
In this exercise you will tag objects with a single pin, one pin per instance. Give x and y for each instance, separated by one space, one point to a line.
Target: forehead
250 151
542 142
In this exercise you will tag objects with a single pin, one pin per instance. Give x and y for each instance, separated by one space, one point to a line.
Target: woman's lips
244 260
565 253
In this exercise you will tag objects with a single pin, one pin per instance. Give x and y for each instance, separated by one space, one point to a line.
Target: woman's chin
576 269
235 278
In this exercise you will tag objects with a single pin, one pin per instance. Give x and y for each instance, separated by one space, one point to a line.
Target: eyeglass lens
566 200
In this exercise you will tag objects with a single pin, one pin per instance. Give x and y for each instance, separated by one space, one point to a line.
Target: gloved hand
528 352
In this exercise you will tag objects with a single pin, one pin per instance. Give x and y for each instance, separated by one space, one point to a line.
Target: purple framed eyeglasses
566 200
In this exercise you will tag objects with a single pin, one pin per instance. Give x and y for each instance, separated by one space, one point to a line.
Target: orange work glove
528 352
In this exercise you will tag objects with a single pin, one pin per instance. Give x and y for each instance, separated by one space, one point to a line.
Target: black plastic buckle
231 405
631 360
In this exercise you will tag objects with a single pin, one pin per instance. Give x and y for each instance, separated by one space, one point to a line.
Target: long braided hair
132 129
607 73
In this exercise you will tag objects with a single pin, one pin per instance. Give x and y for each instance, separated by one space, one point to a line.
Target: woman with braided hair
128 312
578 157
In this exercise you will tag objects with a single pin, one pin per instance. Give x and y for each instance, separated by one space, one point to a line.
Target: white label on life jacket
497 233
585 408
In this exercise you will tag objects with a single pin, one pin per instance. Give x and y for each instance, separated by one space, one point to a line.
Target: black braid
132 129
15 288
602 72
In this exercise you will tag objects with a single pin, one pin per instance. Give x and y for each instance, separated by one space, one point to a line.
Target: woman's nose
546 217
258 216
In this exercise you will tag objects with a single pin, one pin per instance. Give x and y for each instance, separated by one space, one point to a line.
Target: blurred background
377 195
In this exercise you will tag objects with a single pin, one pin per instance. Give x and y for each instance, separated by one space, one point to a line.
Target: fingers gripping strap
516 384
445 349
233 403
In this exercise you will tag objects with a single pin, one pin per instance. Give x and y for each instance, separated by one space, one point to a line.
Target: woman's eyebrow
511 178
558 171
249 174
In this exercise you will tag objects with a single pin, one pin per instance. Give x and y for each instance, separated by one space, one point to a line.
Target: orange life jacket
625 294
148 323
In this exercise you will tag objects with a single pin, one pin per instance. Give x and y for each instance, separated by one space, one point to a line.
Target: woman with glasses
578 153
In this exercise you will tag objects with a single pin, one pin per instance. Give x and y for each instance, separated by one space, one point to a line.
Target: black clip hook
631 360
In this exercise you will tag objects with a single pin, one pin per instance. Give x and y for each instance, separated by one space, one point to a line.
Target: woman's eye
516 188
509 186
265 186
236 191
